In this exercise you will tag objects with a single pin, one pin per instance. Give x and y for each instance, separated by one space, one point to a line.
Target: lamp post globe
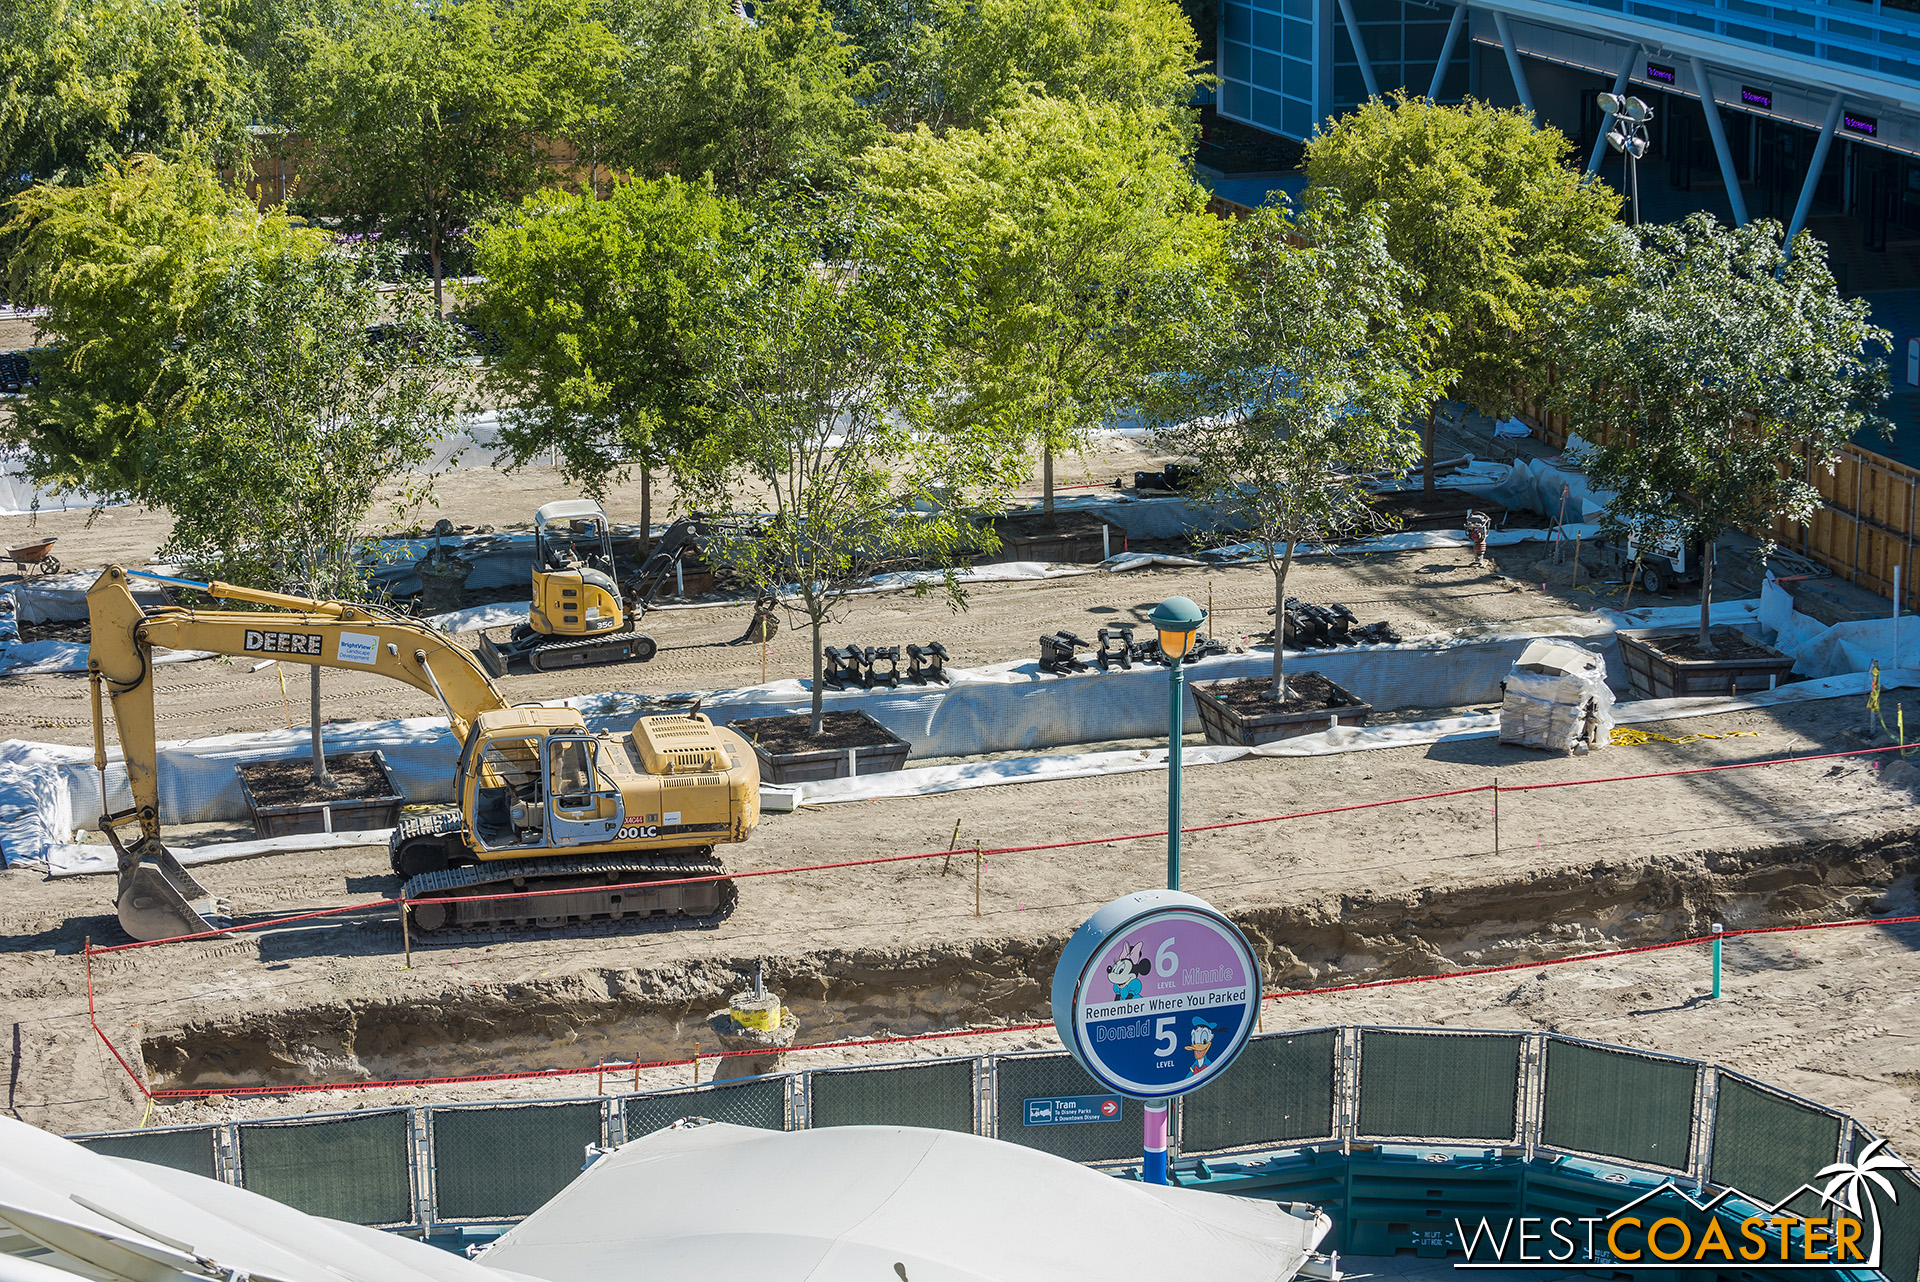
1178 621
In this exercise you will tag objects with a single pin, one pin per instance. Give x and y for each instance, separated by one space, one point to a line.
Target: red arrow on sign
1109 1107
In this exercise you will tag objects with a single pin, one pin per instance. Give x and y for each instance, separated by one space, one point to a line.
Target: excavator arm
158 897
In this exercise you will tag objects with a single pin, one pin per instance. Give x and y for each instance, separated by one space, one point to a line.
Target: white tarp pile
73 1213
720 1203
1822 650
1557 699
1533 485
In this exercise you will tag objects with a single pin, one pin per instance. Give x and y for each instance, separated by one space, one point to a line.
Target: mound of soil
838 732
354 776
1306 692
1728 643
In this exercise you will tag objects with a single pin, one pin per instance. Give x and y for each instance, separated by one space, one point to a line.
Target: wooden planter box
348 814
1224 725
833 763
1654 675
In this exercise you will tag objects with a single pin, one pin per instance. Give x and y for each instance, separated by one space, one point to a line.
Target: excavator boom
158 897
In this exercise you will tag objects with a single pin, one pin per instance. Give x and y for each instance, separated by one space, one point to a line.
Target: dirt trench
661 1013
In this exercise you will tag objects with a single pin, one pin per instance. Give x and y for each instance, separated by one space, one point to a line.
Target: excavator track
528 654
589 879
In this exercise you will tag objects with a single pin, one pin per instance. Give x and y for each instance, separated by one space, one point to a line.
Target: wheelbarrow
34 558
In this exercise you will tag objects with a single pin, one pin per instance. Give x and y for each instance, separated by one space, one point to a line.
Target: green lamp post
1177 620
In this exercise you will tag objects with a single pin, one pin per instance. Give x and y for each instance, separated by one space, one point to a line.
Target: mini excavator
540 801
577 617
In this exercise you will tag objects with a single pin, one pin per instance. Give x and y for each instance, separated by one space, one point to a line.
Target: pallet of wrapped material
1557 699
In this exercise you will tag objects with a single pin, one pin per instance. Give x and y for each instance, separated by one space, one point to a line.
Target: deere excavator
540 801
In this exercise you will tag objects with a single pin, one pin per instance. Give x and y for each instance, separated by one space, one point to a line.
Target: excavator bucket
160 899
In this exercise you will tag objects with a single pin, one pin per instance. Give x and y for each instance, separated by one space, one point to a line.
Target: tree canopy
1712 372
308 388
1076 230
957 63
126 267
1483 206
87 82
590 308
420 119
1306 374
776 96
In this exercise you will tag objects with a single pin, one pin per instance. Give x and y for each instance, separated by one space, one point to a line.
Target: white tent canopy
719 1203
65 1211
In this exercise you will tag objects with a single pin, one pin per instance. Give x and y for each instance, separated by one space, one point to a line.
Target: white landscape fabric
720 1203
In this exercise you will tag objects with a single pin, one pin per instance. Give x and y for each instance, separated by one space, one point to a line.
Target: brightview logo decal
1846 1237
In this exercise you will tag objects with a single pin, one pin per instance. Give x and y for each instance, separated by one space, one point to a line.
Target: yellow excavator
541 801
576 617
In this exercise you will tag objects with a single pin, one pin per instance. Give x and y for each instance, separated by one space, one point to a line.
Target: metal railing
1527 1100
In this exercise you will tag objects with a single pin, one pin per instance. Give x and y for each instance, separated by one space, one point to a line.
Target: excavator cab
574 593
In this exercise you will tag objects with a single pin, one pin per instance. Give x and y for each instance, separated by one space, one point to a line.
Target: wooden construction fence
1864 528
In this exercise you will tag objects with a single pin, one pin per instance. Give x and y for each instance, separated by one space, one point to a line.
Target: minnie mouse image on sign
1127 971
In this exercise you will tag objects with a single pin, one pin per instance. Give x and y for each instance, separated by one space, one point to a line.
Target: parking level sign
1063 1110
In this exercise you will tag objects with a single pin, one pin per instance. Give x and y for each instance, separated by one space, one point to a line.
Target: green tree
1483 206
948 63
1713 370
308 390
423 118
1138 55
126 266
84 83
772 97
308 387
1306 376
591 305
1073 222
828 366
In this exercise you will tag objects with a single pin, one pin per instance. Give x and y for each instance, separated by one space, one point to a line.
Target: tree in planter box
1709 372
1307 377
824 357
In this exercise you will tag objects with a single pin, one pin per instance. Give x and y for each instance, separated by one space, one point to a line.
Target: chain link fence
1331 1100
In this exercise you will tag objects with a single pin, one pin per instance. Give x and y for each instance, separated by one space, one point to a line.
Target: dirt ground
897 948
860 952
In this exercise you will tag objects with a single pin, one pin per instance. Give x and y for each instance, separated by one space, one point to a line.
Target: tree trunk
1706 595
1426 475
1046 485
646 511
313 711
433 262
819 681
1279 691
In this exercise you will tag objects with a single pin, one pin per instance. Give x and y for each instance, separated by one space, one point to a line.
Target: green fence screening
1618 1104
760 1102
1766 1145
1900 1228
1439 1085
185 1150
1049 1076
1280 1090
501 1163
356 1168
937 1095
